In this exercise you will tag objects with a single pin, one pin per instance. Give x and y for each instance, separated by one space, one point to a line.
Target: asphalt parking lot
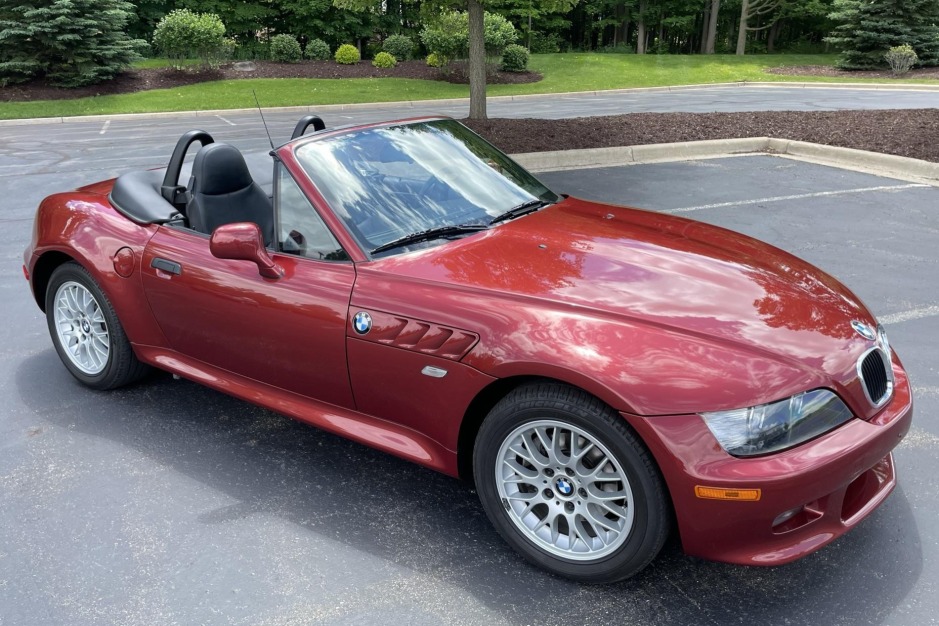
169 503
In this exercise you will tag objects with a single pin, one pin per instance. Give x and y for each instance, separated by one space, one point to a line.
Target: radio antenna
263 121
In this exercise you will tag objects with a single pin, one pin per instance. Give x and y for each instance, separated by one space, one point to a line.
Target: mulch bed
907 132
165 78
827 70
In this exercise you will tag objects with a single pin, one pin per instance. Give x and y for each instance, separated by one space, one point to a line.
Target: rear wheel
567 484
86 332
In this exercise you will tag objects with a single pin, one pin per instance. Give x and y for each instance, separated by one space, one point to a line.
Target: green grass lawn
562 72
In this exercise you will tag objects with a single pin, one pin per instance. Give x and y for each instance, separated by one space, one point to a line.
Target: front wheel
86 332
566 482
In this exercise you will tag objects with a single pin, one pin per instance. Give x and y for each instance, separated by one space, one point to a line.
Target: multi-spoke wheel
86 332
569 485
81 328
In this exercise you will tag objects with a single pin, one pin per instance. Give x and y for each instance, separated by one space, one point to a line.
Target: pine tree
868 28
69 42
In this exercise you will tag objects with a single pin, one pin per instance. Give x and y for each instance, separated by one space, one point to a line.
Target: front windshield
386 183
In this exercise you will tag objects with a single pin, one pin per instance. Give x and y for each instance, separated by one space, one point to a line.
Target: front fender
634 367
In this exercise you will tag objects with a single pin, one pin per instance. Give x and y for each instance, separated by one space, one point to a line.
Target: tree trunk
773 33
742 31
619 30
641 28
705 27
477 61
712 26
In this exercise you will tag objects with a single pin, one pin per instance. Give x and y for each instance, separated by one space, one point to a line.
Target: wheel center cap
86 327
563 486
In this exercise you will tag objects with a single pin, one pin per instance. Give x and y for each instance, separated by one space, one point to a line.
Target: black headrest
218 169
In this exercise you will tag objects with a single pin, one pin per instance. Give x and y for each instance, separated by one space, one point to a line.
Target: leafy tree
69 42
868 28
801 19
320 19
476 37
539 24
749 11
147 14
448 35
242 19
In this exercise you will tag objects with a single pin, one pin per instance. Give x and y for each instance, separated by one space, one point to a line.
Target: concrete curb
327 108
901 168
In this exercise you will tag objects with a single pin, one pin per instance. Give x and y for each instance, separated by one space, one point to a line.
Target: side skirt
370 431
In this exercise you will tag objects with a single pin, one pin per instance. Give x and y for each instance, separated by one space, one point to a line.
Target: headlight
777 426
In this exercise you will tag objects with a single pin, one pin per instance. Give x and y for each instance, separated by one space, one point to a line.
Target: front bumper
826 486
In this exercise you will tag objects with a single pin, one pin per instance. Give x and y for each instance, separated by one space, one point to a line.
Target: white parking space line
926 391
229 122
913 314
919 438
104 128
801 196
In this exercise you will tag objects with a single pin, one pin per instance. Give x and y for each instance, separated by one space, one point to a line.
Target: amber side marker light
717 493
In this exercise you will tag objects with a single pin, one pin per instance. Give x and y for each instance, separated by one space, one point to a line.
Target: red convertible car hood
663 272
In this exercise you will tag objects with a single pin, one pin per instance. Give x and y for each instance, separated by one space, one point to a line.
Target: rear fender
83 227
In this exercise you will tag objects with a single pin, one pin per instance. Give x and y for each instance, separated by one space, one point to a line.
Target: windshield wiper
520 209
440 232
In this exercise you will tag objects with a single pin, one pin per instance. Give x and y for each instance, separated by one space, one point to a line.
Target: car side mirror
243 242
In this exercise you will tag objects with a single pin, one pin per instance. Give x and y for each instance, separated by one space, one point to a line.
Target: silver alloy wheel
81 328
564 490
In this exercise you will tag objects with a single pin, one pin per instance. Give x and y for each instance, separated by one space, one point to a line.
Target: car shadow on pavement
433 526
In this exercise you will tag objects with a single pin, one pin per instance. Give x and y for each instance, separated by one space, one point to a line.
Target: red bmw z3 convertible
604 375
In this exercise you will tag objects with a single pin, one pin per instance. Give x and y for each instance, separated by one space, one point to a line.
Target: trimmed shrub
183 34
285 49
347 54
901 59
515 58
318 49
399 46
433 60
384 60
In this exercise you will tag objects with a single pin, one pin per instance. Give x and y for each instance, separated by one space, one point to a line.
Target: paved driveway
169 503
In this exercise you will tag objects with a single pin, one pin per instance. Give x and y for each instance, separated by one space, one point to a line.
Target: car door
287 332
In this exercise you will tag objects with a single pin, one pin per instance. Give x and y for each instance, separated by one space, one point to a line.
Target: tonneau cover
137 194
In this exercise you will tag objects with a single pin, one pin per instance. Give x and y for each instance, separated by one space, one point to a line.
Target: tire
86 332
567 483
